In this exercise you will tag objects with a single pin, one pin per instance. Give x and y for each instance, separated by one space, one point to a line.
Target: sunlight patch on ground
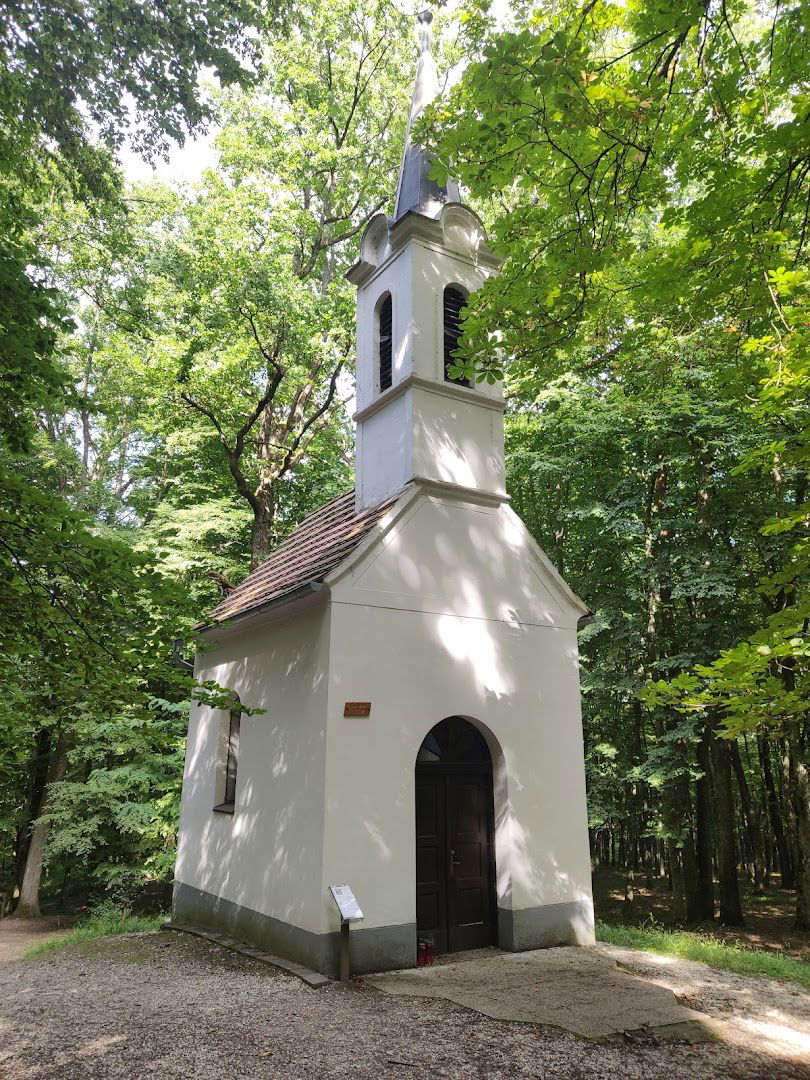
777 1036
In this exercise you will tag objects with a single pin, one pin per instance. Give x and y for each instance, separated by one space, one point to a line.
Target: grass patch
101 924
707 949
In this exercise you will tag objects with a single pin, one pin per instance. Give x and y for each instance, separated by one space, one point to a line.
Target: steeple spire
416 191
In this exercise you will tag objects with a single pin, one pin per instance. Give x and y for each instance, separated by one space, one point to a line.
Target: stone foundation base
379 948
542 927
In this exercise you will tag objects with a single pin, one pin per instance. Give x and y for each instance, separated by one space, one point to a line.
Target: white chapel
415 655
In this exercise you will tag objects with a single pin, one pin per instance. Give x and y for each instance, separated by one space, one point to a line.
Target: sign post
349 912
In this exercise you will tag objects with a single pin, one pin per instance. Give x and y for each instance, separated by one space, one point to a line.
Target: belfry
414 653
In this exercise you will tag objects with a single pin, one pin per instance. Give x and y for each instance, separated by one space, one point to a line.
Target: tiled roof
318 545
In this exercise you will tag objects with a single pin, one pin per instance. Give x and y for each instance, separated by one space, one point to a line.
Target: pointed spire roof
415 190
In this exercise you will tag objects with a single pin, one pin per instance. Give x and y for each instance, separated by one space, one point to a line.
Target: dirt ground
164 1004
768 919
17 936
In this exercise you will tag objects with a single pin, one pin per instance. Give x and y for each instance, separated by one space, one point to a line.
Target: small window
229 760
384 342
454 301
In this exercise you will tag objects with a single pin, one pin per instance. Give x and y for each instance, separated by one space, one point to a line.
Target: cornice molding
459 492
449 390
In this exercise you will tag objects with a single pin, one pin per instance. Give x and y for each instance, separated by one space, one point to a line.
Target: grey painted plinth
380 948
547 926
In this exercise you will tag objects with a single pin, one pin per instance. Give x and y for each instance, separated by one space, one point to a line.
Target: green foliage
72 67
706 949
102 922
644 172
763 682
86 622
589 121
626 476
194 349
73 78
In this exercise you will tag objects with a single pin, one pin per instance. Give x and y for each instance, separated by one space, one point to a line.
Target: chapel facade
415 655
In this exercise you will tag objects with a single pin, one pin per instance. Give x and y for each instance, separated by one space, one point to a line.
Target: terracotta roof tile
318 545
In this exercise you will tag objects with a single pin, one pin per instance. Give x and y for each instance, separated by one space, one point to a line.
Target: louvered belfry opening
385 342
454 301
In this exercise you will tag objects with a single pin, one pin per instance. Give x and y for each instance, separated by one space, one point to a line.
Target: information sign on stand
347 905
349 912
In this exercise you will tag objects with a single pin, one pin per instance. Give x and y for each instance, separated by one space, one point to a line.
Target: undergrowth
100 923
708 949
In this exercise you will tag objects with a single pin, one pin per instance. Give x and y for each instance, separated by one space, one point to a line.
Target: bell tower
414 422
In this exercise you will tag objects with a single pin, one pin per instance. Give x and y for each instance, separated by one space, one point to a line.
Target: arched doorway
455 854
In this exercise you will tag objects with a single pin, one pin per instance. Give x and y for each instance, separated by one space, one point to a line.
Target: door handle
453 860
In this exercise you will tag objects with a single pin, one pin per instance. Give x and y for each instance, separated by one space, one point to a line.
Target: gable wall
521 686
461 558
454 614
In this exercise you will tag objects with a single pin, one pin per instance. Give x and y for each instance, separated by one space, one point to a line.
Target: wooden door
455 895
431 858
470 922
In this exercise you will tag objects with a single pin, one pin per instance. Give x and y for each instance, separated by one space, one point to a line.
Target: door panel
431 859
454 858
470 923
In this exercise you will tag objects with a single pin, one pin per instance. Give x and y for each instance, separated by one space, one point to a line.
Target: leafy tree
646 172
234 300
81 636
70 590
73 78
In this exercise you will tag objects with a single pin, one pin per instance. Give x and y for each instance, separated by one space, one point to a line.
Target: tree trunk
783 851
688 858
35 790
264 515
635 801
28 906
798 776
703 830
753 829
730 906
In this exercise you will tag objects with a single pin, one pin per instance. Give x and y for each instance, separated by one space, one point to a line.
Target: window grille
385 342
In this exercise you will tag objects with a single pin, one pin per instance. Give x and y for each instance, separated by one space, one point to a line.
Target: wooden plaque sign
357 708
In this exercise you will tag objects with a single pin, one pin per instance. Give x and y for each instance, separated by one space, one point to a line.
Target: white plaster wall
436 435
394 277
425 638
460 558
457 441
384 451
267 856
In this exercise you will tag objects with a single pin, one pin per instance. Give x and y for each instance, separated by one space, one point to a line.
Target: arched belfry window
385 341
454 301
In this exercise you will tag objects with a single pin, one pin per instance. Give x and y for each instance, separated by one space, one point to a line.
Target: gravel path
168 1005
757 1013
